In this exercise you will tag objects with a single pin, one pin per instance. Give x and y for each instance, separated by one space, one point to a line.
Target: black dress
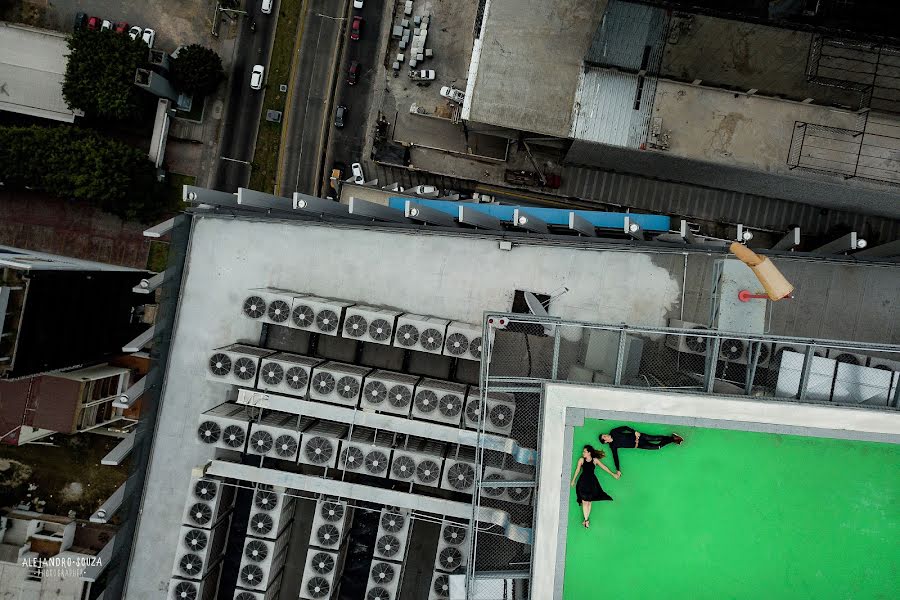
587 487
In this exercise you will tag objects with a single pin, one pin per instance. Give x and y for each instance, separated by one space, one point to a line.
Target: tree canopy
197 70
99 75
77 163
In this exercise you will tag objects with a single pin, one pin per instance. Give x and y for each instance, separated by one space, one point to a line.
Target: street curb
289 99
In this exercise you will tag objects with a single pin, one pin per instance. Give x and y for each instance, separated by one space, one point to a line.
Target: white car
357 3
453 94
149 36
135 32
358 177
423 190
106 25
424 75
256 77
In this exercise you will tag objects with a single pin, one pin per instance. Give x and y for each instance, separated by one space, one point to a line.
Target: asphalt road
241 119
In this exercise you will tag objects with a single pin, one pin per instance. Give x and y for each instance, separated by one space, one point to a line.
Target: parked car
356 27
256 77
93 23
149 36
357 4
339 114
353 73
358 177
107 24
423 190
135 32
423 75
121 27
80 21
266 7
453 94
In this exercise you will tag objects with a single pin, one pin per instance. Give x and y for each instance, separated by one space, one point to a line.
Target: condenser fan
518 494
261 442
297 378
254 307
461 476
428 471
261 524
322 563
399 396
220 364
205 490
201 513
392 522
500 416
323 382
388 545
375 392
403 467
185 590
285 446
382 573
191 564
252 575
233 436
317 587
279 311
272 373
303 316
355 326
256 551
376 462
696 343
848 359
407 335
450 405
442 586
318 450
457 344
244 368
209 432
454 535
378 593
195 539
473 410
328 535
380 330
487 490
327 320
245 596
431 339
731 349
348 387
426 401
450 558
352 458
475 347
265 500
332 511
763 353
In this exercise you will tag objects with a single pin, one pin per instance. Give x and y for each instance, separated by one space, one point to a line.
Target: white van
267 6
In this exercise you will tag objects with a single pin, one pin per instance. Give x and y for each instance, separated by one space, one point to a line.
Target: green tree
99 75
197 70
83 165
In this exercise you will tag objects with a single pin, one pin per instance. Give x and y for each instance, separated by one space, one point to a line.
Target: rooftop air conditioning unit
329 524
497 470
370 324
270 305
262 561
367 451
459 471
420 461
819 383
275 435
271 512
498 413
453 547
847 357
208 503
780 349
236 364
337 383
733 350
205 588
389 392
686 343
320 444
384 581
286 373
319 315
199 550
317 582
439 401
417 332
854 384
225 426
271 592
463 341
440 586
394 527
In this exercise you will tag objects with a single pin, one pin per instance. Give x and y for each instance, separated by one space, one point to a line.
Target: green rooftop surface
734 514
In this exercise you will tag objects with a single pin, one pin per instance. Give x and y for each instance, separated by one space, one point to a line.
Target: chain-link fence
524 351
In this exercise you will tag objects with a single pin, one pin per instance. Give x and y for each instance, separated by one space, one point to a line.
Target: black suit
623 437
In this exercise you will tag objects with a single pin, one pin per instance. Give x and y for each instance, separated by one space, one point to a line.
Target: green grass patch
268 139
735 514
158 256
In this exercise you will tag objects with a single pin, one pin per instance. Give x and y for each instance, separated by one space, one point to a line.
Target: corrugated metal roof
624 34
609 109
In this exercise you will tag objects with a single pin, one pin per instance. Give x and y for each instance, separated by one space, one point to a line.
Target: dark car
94 23
121 27
80 21
353 73
339 114
356 28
